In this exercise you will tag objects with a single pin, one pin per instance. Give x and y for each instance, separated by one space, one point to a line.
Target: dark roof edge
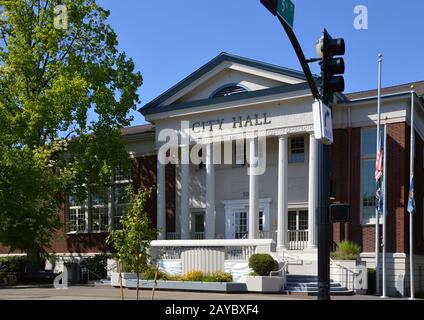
215 62
236 97
384 96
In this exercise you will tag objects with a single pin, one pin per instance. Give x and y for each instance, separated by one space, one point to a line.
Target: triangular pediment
223 71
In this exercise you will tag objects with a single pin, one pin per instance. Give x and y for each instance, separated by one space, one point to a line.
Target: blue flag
411 201
379 196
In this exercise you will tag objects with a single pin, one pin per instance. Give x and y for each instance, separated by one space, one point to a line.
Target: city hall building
230 108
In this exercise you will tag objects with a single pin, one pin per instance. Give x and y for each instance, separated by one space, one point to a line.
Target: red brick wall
398 172
346 172
419 194
144 176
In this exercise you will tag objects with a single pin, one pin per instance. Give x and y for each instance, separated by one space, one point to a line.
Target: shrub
149 274
13 264
218 277
346 250
194 275
262 264
97 266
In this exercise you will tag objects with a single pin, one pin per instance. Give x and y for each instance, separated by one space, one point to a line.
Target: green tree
132 243
65 94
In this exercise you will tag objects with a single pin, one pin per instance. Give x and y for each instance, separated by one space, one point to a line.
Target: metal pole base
323 291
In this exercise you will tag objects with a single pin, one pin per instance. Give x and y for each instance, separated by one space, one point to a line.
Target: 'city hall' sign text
237 122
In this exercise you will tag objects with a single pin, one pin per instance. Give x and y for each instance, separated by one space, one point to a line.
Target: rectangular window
297 149
103 204
240 224
99 209
76 219
298 226
122 180
368 183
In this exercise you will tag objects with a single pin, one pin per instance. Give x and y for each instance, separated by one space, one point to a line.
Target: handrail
91 271
352 272
281 270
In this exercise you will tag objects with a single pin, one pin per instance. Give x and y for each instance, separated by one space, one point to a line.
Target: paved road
108 293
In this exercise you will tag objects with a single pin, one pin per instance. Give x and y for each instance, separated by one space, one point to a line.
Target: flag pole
377 213
411 216
384 244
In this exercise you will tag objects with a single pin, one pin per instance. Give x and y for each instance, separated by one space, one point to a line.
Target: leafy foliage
218 277
13 264
132 243
65 94
194 275
149 274
346 250
262 264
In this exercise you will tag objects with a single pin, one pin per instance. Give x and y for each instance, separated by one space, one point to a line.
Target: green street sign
285 10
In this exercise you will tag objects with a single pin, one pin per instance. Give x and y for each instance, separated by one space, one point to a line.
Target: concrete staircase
308 285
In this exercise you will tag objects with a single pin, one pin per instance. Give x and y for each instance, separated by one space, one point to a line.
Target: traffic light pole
324 165
301 56
330 84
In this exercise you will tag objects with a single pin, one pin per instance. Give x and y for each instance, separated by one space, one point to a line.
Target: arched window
229 90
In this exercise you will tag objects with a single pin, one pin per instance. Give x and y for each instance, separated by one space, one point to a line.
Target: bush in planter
346 250
218 277
194 275
262 264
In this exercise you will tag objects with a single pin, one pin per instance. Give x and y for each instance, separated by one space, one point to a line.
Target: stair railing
282 272
344 275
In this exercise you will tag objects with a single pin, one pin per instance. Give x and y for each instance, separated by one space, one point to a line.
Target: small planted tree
133 241
346 250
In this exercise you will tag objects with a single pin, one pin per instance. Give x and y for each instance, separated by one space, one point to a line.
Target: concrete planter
346 277
115 282
129 280
264 284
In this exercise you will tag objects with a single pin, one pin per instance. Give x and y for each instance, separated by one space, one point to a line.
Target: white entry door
237 218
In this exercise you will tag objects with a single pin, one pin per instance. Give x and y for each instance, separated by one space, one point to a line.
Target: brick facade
346 174
144 176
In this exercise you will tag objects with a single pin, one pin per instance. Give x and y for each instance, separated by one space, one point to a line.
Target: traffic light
332 67
271 5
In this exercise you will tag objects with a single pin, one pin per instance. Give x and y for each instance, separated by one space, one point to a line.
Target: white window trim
231 206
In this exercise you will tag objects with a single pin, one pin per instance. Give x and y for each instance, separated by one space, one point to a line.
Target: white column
161 202
210 193
253 192
283 183
185 181
313 191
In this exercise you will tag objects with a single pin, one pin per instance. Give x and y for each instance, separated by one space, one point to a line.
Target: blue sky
170 39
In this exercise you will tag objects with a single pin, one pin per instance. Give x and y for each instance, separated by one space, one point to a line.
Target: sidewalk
108 293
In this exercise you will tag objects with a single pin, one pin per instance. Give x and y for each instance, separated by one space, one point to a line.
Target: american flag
379 161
